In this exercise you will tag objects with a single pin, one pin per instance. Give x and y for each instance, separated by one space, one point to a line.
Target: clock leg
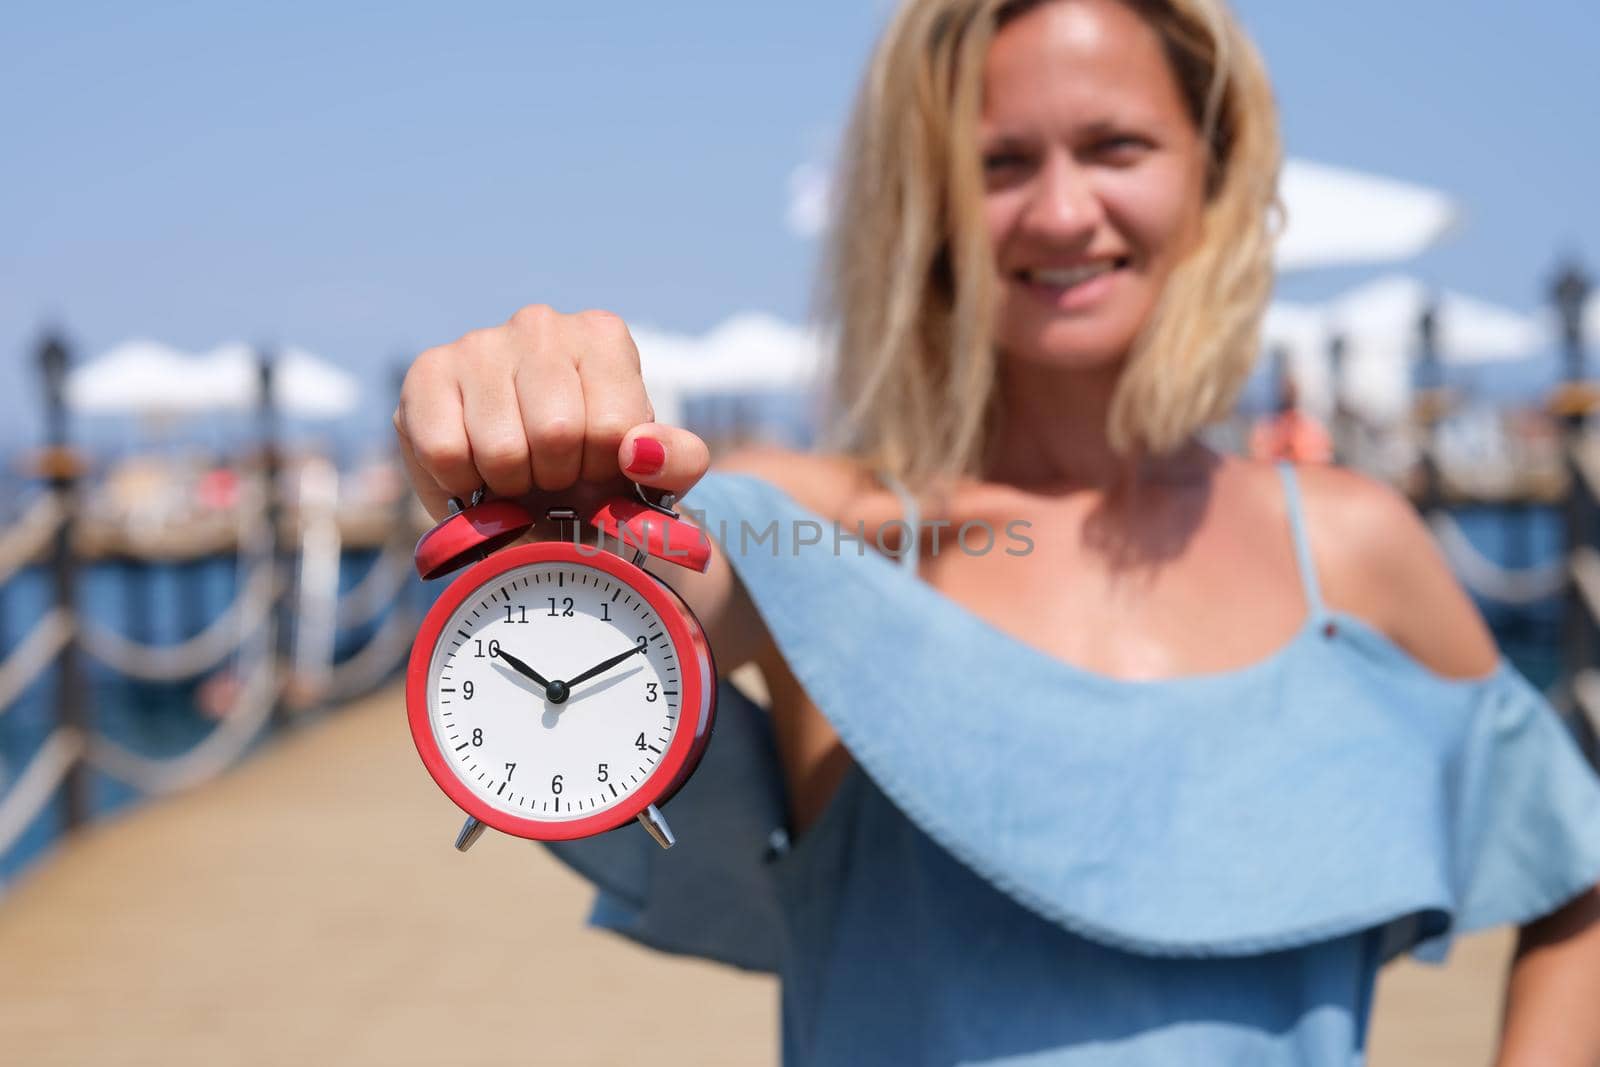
471 830
655 824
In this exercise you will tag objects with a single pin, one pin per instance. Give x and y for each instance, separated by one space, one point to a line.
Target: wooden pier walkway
308 909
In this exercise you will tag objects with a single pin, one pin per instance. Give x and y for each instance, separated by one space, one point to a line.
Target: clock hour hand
525 670
601 668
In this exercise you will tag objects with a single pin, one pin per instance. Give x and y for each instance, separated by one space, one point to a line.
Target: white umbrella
152 379
303 385
1380 323
143 378
1339 217
750 352
1468 330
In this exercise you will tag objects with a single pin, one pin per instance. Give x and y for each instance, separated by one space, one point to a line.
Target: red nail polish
649 456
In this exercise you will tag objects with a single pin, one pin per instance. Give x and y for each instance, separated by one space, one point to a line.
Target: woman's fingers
491 415
543 405
614 398
552 403
434 497
432 428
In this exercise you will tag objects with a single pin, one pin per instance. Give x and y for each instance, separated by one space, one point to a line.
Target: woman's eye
999 161
1122 149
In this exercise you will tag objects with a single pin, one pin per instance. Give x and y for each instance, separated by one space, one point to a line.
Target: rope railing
36 652
283 591
1486 577
26 538
215 753
37 783
378 588
382 653
196 655
245 628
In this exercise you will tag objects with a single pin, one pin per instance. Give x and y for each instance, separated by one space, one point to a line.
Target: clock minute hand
601 668
525 670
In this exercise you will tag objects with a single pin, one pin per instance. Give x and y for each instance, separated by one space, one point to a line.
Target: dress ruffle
1335 787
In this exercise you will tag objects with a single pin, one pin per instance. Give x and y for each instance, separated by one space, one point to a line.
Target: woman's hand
545 404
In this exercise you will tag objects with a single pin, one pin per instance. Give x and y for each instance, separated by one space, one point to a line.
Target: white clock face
524 708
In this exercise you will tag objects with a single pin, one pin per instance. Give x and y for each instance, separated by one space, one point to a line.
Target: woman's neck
1052 436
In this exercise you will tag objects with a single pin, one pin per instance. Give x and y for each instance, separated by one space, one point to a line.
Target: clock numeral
466 690
642 642
603 774
555 785
565 609
510 770
605 612
650 691
638 743
522 608
494 650
477 738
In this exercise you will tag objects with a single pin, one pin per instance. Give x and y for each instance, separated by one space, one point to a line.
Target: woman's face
1094 180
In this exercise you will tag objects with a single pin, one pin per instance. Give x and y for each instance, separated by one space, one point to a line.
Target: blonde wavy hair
908 277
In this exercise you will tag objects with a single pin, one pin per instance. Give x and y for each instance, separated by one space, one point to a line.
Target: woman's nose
1064 203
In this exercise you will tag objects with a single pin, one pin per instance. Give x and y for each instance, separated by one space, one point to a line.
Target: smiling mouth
1070 277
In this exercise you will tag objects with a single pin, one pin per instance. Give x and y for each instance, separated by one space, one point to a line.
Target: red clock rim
690 707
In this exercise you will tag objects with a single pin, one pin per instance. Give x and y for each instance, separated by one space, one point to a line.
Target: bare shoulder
828 485
1377 559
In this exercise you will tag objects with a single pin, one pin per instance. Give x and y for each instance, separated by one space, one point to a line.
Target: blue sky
368 179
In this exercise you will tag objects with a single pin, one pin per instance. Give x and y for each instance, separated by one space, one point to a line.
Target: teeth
1068 277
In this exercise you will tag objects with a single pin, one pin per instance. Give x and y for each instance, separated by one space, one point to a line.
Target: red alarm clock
556 689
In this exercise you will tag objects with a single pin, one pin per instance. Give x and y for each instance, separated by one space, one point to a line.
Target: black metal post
1342 427
271 471
61 472
1430 378
1570 293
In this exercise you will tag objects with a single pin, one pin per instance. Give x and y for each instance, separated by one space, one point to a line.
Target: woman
1165 771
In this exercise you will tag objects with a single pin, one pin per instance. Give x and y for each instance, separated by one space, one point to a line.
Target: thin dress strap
910 548
1302 543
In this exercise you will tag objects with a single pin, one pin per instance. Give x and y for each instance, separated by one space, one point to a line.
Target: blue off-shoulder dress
1031 863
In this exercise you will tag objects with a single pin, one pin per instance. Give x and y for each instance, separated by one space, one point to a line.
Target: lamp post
61 472
1570 294
278 639
1344 449
1432 406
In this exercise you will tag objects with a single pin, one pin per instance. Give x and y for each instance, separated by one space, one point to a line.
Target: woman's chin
1068 354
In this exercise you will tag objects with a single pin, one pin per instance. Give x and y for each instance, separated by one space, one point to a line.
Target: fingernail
649 456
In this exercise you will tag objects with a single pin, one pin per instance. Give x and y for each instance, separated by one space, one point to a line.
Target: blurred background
227 230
